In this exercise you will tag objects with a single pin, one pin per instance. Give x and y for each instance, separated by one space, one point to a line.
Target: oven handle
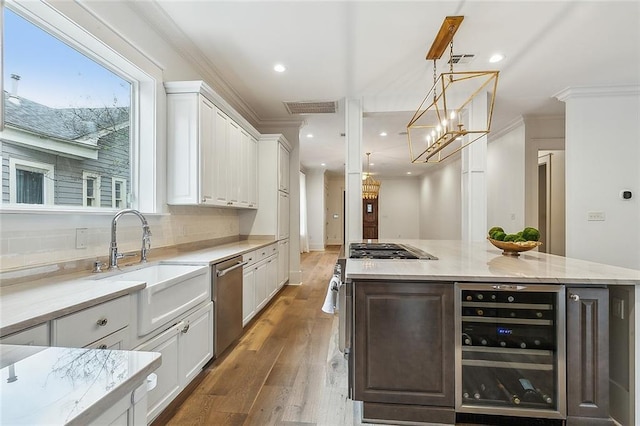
224 271
512 287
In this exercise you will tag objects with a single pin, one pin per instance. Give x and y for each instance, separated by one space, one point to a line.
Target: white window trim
123 192
96 188
33 166
146 80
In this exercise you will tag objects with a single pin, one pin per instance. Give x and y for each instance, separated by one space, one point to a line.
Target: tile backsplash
33 240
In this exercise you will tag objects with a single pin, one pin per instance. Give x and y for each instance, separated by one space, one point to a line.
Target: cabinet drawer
264 252
250 258
116 341
37 336
82 328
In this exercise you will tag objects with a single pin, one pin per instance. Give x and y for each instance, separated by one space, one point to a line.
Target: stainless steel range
387 251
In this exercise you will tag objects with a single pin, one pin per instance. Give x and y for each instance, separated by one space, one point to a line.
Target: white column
353 170
474 179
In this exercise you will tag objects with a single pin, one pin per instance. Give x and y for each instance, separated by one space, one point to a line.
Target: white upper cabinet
211 150
283 168
272 218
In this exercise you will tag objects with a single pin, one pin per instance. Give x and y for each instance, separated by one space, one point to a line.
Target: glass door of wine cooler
510 350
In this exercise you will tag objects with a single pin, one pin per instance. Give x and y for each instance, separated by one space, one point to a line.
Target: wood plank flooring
285 370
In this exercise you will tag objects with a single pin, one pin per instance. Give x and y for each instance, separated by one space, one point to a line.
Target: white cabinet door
283 215
190 171
272 276
261 284
283 168
168 385
248 294
252 172
196 343
283 262
207 166
248 171
233 164
221 157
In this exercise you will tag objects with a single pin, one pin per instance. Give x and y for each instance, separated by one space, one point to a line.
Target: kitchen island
67 386
407 353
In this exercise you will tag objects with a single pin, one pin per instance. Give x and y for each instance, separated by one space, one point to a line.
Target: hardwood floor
286 368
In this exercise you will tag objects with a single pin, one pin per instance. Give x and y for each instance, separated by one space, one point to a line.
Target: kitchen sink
171 290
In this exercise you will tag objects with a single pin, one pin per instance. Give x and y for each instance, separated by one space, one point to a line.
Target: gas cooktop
387 251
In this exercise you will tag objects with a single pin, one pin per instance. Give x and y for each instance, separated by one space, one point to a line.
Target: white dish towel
331 301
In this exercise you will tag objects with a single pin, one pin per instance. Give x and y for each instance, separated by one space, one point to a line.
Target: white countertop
67 386
28 304
482 262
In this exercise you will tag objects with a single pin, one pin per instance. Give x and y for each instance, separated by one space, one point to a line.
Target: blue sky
54 74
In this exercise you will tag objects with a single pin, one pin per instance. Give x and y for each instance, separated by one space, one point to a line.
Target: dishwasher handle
224 271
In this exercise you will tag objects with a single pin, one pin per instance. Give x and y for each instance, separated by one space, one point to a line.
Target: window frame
48 170
95 177
145 77
123 192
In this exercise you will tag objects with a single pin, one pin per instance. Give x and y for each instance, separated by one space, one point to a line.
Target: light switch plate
595 216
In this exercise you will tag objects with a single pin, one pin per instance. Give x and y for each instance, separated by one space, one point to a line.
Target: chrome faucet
146 238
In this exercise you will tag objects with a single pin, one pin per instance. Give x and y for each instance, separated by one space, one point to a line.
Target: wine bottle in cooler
529 393
511 397
545 396
470 387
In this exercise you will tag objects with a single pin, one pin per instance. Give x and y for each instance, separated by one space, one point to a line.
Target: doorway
551 201
370 219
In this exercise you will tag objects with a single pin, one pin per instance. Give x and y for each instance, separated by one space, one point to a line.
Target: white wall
335 206
441 202
316 209
505 179
602 158
399 208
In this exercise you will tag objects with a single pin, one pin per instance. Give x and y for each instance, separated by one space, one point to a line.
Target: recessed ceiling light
372 164
323 164
408 173
279 68
383 133
496 58
309 135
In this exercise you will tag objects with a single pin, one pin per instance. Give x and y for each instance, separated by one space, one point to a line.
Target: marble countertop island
42 385
482 262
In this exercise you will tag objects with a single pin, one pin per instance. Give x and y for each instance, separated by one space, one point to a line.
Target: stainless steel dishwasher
227 299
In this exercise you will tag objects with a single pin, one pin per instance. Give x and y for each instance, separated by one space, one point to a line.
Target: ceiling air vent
461 59
322 107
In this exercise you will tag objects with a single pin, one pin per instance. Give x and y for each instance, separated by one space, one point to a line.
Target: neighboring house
65 156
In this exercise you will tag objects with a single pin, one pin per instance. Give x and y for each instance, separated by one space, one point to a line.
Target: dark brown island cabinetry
588 356
403 355
403 350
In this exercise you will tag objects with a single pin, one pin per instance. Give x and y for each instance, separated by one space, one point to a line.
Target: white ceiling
375 50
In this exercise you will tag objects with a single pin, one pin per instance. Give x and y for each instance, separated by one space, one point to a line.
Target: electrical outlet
595 216
81 238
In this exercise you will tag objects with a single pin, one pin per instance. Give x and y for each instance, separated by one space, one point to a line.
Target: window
65 106
119 193
30 182
91 189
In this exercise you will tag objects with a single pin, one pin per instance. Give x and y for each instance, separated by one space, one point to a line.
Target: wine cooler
510 350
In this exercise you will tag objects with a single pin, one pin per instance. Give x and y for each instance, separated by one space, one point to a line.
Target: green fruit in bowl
531 234
494 230
510 237
498 235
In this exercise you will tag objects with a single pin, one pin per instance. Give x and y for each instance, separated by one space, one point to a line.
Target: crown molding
514 124
597 92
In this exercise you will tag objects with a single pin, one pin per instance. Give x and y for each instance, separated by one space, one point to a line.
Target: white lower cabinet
283 262
272 277
128 411
260 281
248 294
34 336
185 347
89 326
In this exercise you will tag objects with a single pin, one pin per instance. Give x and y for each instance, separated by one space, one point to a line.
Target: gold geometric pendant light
370 186
440 126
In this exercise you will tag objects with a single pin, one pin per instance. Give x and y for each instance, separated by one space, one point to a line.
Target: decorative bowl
512 248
